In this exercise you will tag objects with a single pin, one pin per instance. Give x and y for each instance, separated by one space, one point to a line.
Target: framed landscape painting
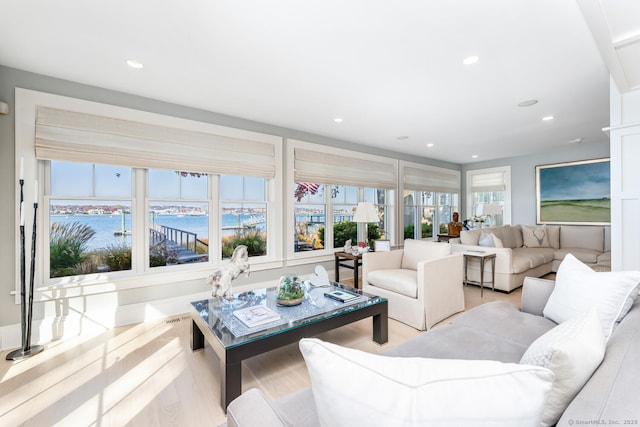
574 193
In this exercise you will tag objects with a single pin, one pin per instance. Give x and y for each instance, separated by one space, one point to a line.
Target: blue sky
591 180
75 179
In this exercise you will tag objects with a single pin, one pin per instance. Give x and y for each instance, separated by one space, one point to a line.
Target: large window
133 198
427 213
93 216
311 223
489 195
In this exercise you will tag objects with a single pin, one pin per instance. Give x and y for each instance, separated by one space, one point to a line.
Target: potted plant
290 290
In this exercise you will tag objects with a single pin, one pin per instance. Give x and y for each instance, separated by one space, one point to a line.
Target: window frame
302 257
469 195
27 102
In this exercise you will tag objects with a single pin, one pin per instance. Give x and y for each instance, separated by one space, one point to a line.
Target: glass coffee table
234 342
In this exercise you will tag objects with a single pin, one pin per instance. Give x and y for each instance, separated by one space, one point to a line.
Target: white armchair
423 282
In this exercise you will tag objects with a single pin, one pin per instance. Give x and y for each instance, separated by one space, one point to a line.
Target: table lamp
365 213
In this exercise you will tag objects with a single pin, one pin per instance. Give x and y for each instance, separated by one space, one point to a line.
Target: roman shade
489 181
73 136
426 178
326 168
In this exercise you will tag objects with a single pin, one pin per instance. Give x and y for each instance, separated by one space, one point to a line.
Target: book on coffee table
342 296
256 315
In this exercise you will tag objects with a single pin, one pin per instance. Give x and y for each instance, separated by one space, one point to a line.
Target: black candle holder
26 309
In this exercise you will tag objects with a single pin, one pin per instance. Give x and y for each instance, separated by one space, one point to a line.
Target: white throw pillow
354 388
535 237
489 240
573 350
578 288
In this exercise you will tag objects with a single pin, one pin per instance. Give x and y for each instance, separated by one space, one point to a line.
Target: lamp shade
365 212
491 209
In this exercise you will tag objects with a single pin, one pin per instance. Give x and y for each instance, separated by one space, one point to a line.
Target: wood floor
147 375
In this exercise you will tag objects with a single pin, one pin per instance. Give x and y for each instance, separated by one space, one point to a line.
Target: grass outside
592 210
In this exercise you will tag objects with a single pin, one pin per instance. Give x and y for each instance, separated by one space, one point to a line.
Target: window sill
97 284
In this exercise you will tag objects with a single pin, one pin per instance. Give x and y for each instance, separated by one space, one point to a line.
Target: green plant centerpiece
290 290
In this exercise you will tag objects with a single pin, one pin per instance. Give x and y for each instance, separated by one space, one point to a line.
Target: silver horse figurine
221 278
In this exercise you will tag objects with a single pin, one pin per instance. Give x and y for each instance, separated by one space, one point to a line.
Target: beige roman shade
488 182
324 168
431 179
72 136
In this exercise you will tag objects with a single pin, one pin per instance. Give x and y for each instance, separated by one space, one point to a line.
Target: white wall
625 179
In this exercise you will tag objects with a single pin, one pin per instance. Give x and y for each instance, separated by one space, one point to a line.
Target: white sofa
537 252
423 282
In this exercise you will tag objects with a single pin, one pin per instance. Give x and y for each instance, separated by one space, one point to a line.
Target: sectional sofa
534 251
605 391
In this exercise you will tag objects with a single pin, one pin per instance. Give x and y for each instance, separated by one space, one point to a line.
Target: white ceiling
387 68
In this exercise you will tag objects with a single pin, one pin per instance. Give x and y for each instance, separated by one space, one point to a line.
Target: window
430 197
328 184
423 209
310 218
90 227
244 214
311 222
489 187
114 169
178 217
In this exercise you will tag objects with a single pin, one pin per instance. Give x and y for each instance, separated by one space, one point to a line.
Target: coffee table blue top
231 332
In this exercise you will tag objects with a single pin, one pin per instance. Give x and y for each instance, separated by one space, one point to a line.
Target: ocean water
106 225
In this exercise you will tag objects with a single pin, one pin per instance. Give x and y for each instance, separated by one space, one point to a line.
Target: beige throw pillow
535 237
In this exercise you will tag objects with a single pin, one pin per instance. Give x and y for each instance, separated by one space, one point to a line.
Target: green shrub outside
256 243
117 257
345 230
67 248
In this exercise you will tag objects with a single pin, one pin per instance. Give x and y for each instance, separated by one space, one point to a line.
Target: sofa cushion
572 350
507 234
539 256
604 258
517 234
578 288
588 256
521 260
424 390
586 237
420 250
470 237
402 281
553 231
535 237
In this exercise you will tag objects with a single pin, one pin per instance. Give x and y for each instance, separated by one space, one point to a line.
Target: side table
350 261
482 257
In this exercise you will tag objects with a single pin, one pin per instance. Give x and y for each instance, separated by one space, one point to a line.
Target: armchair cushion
418 250
404 282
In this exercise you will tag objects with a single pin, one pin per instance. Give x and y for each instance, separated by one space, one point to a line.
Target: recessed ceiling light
402 137
470 60
547 118
528 103
430 145
135 64
576 141
337 120
475 156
